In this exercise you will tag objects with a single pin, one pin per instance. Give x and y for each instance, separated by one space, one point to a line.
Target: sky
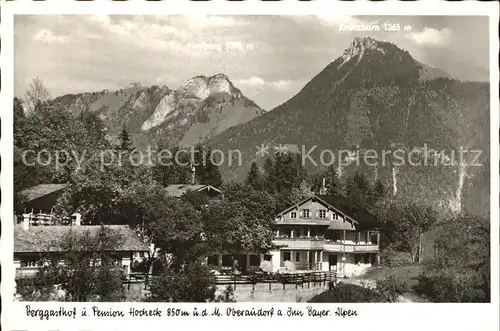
278 55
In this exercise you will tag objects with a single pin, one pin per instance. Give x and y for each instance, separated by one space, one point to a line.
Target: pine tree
333 185
269 176
125 144
207 173
254 178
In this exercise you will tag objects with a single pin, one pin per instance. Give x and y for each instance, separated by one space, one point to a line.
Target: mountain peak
219 75
360 45
202 86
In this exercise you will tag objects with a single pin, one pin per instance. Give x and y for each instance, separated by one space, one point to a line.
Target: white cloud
257 82
46 36
282 84
137 33
431 36
252 81
204 21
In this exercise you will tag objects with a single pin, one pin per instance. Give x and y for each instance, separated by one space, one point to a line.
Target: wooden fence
307 279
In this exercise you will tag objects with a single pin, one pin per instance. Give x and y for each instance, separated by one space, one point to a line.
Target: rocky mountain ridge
202 107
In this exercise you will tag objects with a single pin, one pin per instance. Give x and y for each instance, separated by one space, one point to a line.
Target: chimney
26 221
193 175
322 190
77 221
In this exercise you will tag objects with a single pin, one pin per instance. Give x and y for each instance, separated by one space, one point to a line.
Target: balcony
366 248
304 243
338 246
27 272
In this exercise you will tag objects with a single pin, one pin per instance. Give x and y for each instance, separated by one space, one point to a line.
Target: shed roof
39 239
178 190
41 190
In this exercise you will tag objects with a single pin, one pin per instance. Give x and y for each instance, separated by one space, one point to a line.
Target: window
213 260
254 260
322 213
305 213
335 236
357 259
227 260
286 256
297 257
293 214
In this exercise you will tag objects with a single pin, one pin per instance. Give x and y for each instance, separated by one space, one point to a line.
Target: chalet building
327 233
34 239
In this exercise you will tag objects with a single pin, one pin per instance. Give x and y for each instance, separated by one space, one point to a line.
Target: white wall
275 259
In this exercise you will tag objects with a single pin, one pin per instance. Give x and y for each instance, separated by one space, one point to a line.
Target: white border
372 316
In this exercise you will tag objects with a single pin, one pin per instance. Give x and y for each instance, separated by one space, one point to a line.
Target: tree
175 171
404 222
240 221
283 172
207 173
176 228
90 271
36 94
332 181
53 132
109 193
460 271
124 138
254 178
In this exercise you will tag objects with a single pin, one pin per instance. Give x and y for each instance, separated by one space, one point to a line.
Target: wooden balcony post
307 259
378 238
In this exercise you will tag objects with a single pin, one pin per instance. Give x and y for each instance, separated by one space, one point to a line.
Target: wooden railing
297 279
44 219
305 266
307 279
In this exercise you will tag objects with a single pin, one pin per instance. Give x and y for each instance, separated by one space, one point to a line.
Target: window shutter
317 213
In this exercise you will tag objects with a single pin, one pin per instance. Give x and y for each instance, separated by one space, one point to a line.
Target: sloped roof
178 190
354 211
39 239
41 190
345 206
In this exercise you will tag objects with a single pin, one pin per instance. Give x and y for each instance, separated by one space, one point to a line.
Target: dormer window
322 213
293 214
306 213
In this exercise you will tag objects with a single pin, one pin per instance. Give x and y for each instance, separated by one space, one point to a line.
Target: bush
460 270
227 295
454 285
194 282
348 293
391 287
